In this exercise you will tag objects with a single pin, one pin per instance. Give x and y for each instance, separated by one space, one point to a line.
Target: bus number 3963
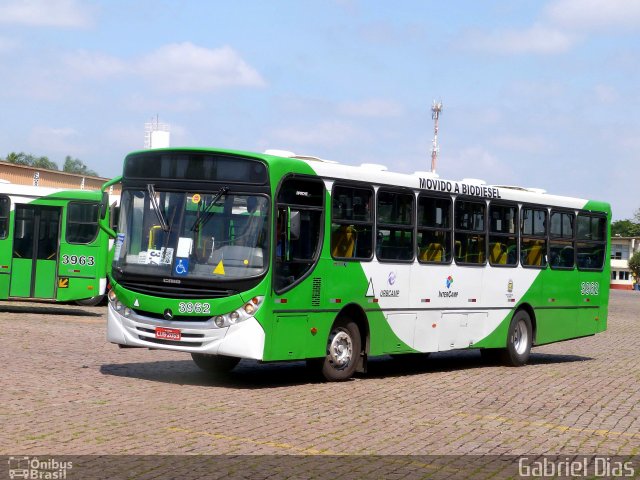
589 288
78 260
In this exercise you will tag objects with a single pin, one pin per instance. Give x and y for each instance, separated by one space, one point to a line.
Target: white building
622 249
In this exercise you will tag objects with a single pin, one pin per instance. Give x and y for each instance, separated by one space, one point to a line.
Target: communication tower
156 134
436 108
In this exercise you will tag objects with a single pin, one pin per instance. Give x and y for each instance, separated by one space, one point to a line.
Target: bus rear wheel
343 351
519 340
215 363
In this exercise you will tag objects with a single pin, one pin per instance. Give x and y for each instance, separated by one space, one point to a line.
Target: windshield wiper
156 207
207 212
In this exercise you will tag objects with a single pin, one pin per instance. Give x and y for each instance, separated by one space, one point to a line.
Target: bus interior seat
498 254
344 241
534 254
434 252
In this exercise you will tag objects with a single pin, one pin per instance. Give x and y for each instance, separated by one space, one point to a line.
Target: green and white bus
229 255
51 246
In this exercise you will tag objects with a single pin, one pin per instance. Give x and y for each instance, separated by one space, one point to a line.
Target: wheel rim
341 349
520 338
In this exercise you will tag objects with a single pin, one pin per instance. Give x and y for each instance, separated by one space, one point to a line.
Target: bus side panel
21 277
6 245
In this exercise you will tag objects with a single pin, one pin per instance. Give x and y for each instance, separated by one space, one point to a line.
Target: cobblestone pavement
65 390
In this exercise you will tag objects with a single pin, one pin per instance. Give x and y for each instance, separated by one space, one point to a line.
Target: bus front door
35 251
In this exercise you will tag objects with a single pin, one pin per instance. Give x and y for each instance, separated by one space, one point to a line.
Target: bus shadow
253 375
248 374
50 310
454 361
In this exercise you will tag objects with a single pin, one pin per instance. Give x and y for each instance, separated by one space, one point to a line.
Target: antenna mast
436 108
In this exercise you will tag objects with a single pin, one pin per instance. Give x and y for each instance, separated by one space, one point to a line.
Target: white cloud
538 39
378 108
606 94
94 65
7 44
54 140
594 14
185 67
325 134
476 162
46 13
522 143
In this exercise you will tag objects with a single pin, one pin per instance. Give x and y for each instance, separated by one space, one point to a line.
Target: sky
535 93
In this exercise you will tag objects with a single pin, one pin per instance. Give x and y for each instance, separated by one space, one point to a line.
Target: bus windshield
213 236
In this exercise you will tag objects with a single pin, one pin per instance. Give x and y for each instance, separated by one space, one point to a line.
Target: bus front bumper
244 339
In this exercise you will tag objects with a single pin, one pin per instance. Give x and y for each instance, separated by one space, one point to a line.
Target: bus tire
90 302
215 363
519 340
343 351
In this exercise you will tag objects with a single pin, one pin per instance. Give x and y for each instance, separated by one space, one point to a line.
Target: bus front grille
176 291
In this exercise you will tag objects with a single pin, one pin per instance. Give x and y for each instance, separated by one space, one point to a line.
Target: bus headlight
112 296
245 312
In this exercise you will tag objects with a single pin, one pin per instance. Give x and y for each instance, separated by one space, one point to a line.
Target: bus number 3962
194 307
589 288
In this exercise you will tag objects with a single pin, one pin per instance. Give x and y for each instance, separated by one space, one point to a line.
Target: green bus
228 255
51 246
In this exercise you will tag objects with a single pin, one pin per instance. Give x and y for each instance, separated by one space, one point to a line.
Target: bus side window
533 239
351 223
5 207
82 222
300 199
395 226
434 229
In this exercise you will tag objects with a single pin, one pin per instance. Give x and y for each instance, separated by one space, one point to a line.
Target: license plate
168 334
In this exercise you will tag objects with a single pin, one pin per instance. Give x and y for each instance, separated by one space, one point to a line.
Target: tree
18 158
44 162
31 161
634 265
74 165
625 228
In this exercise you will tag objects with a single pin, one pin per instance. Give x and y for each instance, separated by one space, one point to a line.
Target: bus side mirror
104 205
294 224
114 215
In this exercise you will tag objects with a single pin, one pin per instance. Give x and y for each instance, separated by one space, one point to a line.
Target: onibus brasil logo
37 468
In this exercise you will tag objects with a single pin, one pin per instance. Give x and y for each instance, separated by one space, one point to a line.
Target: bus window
434 230
503 236
82 222
395 226
300 201
5 206
533 240
351 223
591 233
470 232
561 249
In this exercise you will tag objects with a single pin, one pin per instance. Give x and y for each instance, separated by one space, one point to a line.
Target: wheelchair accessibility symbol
182 266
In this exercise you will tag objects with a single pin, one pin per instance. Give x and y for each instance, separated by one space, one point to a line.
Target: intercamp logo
449 281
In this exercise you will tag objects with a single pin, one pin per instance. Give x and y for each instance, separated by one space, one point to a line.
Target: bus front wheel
215 363
343 351
519 340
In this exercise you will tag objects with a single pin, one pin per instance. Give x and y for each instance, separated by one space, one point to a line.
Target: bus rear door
35 251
